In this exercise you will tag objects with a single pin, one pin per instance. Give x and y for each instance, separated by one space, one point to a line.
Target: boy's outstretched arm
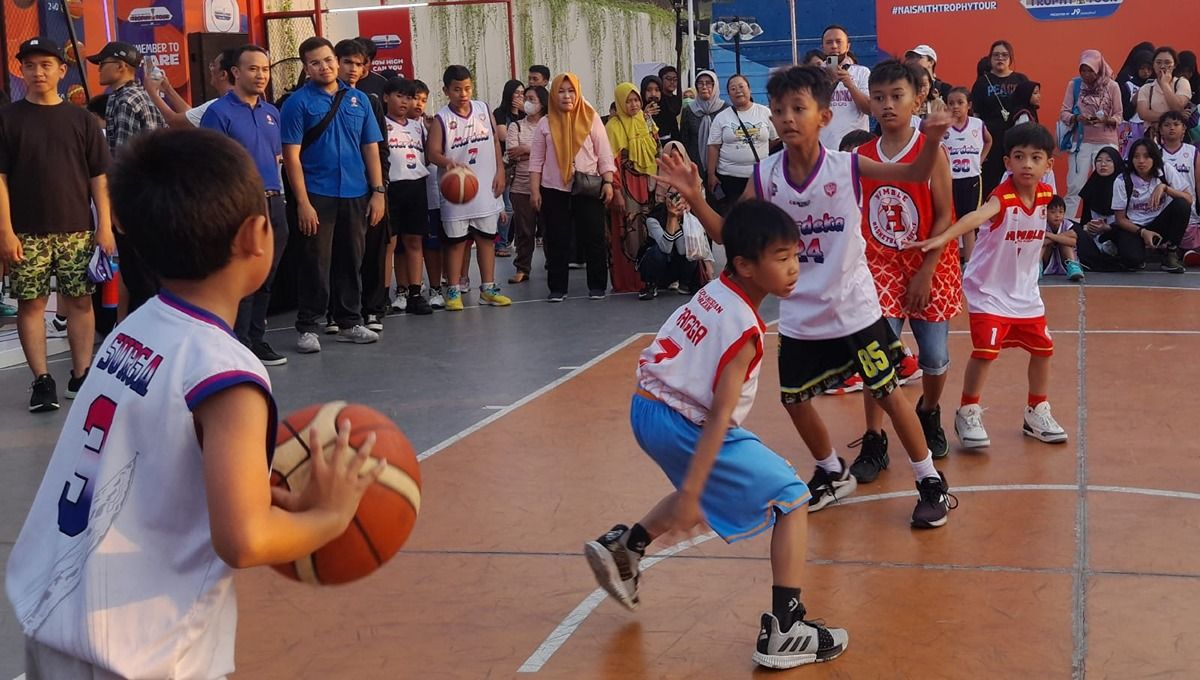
248 529
965 225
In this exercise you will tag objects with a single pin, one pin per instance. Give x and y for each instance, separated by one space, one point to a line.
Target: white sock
488 285
924 469
831 464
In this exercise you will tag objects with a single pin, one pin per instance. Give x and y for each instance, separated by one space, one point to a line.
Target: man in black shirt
48 144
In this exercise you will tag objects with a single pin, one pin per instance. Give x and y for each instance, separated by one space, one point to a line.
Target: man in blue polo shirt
243 114
337 180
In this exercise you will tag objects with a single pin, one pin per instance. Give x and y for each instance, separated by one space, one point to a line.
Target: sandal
519 277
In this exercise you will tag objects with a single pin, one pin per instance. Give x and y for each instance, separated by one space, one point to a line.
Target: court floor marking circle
572 621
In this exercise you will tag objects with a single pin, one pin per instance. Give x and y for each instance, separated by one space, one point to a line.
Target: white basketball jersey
471 142
683 364
1184 161
1002 276
115 563
965 147
406 150
835 295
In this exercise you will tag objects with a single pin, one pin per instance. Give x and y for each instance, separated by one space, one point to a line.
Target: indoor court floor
1069 561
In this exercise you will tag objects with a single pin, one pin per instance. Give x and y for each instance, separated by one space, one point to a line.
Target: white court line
561 633
567 368
494 408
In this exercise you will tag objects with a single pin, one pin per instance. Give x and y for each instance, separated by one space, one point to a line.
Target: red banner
391 31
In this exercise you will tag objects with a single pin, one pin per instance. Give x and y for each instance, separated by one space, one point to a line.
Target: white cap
924 51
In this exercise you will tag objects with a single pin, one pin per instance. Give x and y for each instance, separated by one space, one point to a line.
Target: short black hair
892 71
420 86
1172 115
835 27
1029 134
854 139
162 190
753 226
813 79
99 105
227 60
966 92
455 72
1057 203
311 45
543 71
398 85
236 57
368 45
350 47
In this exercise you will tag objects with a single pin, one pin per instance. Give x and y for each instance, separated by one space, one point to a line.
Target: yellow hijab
568 129
632 134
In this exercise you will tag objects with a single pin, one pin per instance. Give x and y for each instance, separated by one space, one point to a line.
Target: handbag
588 186
1071 137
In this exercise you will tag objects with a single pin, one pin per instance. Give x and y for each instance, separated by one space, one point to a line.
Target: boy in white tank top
1001 284
831 325
696 384
464 135
160 482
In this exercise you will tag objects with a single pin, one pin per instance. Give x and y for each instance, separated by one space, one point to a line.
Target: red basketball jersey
898 213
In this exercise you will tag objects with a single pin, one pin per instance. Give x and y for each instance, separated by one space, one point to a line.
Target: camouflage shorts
63 256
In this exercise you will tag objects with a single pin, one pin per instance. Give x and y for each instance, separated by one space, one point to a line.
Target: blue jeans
504 229
933 340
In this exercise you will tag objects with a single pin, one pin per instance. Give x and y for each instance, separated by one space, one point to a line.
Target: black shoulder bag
314 133
746 134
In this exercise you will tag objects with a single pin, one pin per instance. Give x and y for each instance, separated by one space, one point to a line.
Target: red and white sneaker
908 370
852 384
1191 258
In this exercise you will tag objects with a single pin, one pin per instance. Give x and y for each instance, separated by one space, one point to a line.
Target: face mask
531 108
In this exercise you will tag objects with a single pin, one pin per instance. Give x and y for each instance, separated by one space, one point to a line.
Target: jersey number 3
75 503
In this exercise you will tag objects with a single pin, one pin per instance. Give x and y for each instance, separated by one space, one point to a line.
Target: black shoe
873 458
374 322
45 395
596 294
268 356
331 327
1171 262
648 292
934 504
556 297
931 425
826 489
417 304
75 384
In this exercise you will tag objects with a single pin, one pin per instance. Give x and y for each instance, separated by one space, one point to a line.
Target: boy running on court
924 288
831 325
464 135
696 384
1001 283
159 485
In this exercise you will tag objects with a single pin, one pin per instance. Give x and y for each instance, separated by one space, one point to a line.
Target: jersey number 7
75 503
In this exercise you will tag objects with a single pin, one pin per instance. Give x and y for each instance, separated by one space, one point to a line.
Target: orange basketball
76 95
75 9
459 185
388 509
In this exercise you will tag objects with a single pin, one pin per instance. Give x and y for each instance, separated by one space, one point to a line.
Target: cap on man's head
40 45
923 51
118 50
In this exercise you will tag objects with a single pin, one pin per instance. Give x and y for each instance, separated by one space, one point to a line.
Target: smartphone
832 61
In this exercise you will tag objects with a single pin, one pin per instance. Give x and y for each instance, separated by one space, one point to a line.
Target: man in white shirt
173 107
851 104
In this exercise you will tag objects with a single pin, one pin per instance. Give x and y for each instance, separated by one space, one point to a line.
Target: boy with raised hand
924 288
159 485
831 325
1001 283
696 384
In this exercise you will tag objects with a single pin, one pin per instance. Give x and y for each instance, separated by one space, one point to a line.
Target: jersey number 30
75 503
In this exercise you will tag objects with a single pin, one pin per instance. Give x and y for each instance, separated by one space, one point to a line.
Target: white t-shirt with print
846 116
1137 208
736 157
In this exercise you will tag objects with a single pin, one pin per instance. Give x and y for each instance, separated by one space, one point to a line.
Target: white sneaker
308 343
359 335
55 328
436 300
400 304
1040 425
968 423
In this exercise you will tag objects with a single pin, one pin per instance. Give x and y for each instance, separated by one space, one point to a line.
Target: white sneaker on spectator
400 304
435 299
359 335
55 328
308 343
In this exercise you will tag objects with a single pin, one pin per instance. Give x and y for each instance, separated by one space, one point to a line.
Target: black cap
118 50
40 45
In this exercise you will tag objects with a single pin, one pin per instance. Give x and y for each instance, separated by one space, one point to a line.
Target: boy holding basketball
159 483
696 384
831 325
1001 282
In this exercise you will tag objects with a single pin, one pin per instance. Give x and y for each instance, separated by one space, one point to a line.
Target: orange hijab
568 129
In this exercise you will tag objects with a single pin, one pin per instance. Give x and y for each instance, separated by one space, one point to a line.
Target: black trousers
733 188
374 264
661 269
1170 224
330 262
562 217
1090 256
251 322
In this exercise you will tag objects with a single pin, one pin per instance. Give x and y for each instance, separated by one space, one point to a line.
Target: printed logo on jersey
830 189
893 217
1022 237
270 119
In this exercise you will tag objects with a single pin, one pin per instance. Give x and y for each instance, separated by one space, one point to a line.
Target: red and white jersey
471 141
1002 276
965 147
1183 160
115 564
683 364
406 149
835 295
897 213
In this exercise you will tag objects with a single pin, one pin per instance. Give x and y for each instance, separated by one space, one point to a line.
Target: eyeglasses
1000 55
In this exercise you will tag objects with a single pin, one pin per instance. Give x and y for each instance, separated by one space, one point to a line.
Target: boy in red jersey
923 288
1001 283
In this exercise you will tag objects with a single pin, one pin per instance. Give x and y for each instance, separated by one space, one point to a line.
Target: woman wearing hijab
570 179
696 120
1093 118
1094 239
1026 101
1137 68
633 138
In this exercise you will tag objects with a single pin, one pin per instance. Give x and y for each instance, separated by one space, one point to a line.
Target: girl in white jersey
1152 203
124 565
696 384
831 325
967 142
